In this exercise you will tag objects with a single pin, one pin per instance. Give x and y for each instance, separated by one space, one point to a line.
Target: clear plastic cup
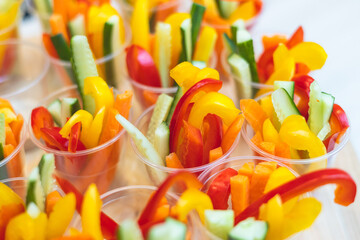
147 95
9 30
23 75
128 202
301 166
14 165
99 165
142 124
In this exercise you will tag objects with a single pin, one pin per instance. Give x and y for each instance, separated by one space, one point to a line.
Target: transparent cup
99 165
9 29
301 166
14 165
147 95
128 202
142 124
23 81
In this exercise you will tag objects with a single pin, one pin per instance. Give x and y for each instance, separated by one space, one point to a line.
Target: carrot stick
51 199
9 138
8 149
247 170
172 161
231 133
111 126
57 25
239 186
60 8
16 127
215 154
123 103
50 49
258 181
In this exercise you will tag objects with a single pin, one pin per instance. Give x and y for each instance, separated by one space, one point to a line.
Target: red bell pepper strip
302 93
212 132
53 138
219 189
345 191
74 137
330 142
40 118
296 38
154 202
141 66
191 148
340 115
108 225
205 85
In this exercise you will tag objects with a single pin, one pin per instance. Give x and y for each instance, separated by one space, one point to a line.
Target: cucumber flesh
44 7
2 129
289 87
68 107
55 110
160 113
170 229
61 47
229 44
163 51
197 13
161 140
35 191
199 64
129 230
324 131
77 25
33 210
235 27
179 93
84 66
46 170
249 229
241 70
315 120
219 222
283 104
145 148
227 8
328 101
185 29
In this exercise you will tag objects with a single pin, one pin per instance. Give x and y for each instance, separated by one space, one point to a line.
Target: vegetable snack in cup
300 130
12 139
269 191
150 57
9 16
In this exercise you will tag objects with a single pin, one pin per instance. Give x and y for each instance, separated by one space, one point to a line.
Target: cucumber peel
241 70
197 13
289 87
163 51
46 170
284 106
185 29
55 110
179 93
35 192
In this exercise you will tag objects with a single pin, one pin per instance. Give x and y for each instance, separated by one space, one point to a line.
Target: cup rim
23 138
338 148
13 25
129 8
65 153
42 73
169 170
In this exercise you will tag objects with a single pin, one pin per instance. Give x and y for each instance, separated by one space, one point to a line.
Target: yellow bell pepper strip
175 21
100 91
80 116
245 11
184 72
200 75
193 199
216 103
90 213
205 44
280 55
60 216
309 53
8 196
296 133
9 115
269 132
93 135
273 214
140 24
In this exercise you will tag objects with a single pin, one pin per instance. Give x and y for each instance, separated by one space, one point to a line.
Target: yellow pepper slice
193 199
8 196
99 90
274 216
202 74
205 44
245 11
9 115
183 72
285 72
280 55
90 213
175 21
269 132
301 217
93 134
61 216
216 103
80 116
309 53
140 24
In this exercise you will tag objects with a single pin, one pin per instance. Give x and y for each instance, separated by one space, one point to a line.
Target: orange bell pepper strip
59 7
57 25
258 181
51 199
253 113
16 126
212 131
123 103
231 133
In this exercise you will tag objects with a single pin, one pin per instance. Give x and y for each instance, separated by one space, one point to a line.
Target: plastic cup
97 165
128 202
13 165
9 30
147 95
142 124
301 166
23 72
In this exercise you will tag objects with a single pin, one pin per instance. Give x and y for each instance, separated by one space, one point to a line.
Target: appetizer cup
95 165
142 124
22 80
301 166
9 27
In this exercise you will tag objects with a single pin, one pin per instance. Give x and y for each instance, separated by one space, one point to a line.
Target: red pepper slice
345 191
141 66
191 148
154 202
74 137
340 115
219 189
296 38
205 85
212 131
302 93
108 225
53 138
330 142
40 118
